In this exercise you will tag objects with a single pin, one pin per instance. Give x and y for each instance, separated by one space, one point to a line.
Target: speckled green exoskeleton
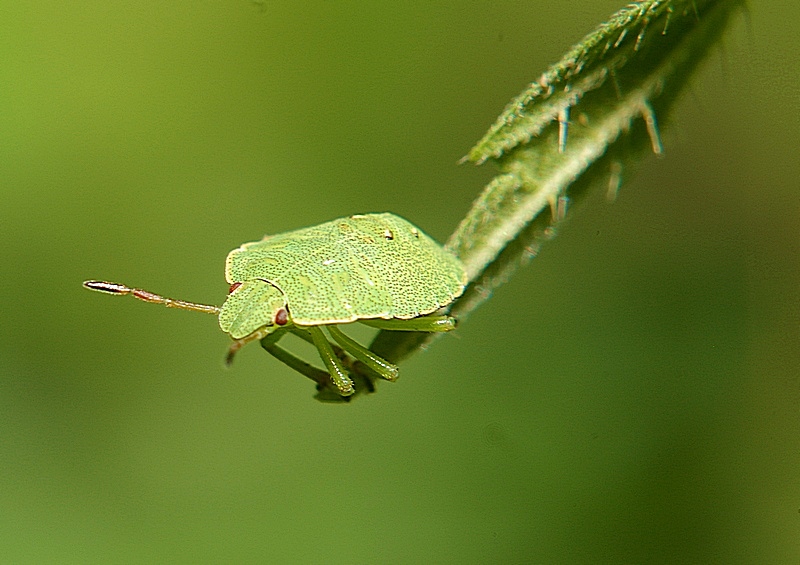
377 269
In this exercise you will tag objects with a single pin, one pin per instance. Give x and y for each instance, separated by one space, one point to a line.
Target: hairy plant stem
580 127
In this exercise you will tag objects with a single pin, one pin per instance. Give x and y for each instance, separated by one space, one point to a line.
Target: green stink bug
377 269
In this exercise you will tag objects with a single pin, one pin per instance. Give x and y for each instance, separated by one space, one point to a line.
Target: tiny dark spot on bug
234 286
388 235
282 317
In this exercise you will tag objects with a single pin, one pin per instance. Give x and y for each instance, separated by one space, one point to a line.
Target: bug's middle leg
378 364
332 363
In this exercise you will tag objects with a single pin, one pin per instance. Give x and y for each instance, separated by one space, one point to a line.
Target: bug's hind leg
427 324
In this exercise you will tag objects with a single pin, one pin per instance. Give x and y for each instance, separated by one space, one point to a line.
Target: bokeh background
633 396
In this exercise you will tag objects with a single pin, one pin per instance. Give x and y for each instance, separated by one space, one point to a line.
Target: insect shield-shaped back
360 267
252 305
357 268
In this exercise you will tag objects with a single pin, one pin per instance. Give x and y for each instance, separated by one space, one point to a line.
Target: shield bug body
376 269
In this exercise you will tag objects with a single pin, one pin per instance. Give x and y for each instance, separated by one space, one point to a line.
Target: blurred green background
633 396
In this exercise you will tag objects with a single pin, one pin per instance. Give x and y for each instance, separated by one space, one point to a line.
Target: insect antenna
147 296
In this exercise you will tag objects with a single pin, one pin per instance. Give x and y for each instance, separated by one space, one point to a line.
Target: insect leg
335 368
378 364
270 344
303 334
325 392
147 296
421 324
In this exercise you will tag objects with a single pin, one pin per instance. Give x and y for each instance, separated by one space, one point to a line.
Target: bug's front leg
270 344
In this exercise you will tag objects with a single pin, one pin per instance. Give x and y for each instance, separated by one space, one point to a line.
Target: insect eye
234 286
388 235
282 317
